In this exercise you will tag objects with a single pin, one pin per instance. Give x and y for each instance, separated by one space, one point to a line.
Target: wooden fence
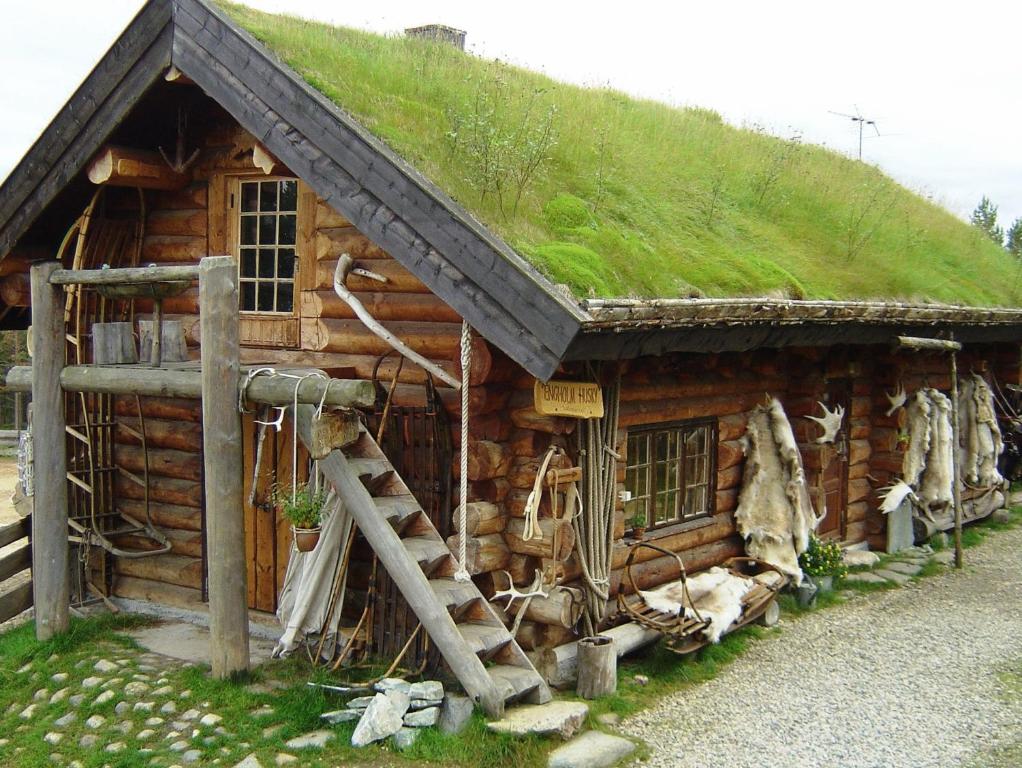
18 598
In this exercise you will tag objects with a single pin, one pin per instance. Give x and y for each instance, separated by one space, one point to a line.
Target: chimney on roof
440 33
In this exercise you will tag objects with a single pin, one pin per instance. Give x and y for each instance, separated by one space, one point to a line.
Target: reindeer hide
716 594
928 463
774 515
979 436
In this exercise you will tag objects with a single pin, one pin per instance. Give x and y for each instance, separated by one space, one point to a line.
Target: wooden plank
19 529
222 451
51 593
16 601
15 561
114 86
124 276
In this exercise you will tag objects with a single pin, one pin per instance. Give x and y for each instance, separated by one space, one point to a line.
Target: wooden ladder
460 622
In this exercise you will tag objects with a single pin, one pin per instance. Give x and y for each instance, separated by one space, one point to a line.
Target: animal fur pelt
716 594
774 515
928 463
979 436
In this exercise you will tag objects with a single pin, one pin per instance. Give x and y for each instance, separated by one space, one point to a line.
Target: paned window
267 234
670 472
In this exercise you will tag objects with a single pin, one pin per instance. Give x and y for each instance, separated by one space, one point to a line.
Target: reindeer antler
830 421
512 594
896 398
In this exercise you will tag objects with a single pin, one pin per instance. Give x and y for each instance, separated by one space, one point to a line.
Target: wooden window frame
680 518
280 330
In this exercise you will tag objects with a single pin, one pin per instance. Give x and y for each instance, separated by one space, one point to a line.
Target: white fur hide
979 436
895 495
717 595
928 463
774 515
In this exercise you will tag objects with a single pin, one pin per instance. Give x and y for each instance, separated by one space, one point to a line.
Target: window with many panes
670 472
267 234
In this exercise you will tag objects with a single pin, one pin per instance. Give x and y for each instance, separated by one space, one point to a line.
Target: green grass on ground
617 196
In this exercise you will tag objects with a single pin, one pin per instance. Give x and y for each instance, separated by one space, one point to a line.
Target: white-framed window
671 472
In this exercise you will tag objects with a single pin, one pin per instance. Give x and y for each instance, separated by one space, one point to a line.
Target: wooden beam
141 168
932 345
222 449
11 532
51 576
125 276
167 382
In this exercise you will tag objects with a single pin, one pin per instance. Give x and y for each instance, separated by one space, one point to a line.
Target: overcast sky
942 79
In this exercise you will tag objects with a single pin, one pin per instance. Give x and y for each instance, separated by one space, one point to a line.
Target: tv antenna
862 121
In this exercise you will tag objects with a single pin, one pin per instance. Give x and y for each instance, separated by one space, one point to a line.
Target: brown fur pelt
774 515
979 440
928 464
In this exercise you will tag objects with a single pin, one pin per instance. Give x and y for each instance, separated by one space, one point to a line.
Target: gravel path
908 677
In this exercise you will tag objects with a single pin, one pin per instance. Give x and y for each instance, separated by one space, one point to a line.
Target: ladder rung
131 431
80 483
79 436
132 477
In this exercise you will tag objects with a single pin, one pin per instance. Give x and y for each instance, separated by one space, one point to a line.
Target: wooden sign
578 399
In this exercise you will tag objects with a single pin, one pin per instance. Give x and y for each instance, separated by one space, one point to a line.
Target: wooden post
222 457
956 462
597 667
51 578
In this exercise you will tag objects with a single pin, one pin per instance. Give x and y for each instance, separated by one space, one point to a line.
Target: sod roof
620 197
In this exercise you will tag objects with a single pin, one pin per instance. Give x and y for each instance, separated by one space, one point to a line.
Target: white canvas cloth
308 583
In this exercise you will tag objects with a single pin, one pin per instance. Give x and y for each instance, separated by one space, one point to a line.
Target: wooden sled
684 634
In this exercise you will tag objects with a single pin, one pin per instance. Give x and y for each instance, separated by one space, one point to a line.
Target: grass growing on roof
617 196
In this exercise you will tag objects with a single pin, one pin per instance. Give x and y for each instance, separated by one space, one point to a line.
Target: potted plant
638 523
822 562
304 511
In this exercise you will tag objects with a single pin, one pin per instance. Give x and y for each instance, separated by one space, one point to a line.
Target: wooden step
427 551
371 468
399 511
485 640
454 595
518 682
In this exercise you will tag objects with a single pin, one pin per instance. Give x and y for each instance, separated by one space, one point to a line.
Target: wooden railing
16 599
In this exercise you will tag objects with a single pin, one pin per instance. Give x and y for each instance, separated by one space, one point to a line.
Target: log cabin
206 131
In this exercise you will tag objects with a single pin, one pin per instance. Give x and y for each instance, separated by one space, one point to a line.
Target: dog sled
687 630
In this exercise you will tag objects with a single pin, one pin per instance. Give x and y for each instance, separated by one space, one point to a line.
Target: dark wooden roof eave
118 81
501 296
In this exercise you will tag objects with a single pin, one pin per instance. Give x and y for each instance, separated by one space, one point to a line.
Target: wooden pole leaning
51 578
222 457
956 462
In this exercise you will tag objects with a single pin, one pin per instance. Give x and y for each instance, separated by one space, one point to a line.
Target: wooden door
267 534
834 473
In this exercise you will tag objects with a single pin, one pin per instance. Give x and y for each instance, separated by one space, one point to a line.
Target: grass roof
617 196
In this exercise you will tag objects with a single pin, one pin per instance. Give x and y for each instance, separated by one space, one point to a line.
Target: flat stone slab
909 569
557 718
865 578
591 750
855 558
945 556
898 578
188 642
314 740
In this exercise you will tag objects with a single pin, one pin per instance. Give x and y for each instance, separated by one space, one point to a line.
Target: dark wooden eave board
622 345
134 62
503 298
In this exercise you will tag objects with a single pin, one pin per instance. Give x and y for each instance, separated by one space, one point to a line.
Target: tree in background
985 217
1014 241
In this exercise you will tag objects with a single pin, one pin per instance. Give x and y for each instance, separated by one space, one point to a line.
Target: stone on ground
1001 516
455 713
312 740
422 718
382 718
591 750
66 720
104 697
91 682
249 762
898 578
114 747
283 758
609 719
945 556
431 690
94 722
192 756
28 712
909 569
210 719
854 558
360 702
865 578
560 718
339 716
105 667
53 737
404 738
392 684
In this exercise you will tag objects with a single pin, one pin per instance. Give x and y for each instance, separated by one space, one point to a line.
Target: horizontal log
334 242
634 414
534 636
932 345
160 434
163 490
860 408
495 490
166 408
660 570
559 665
397 277
187 543
486 460
362 365
173 249
125 275
858 490
167 569
194 196
554 531
730 478
886 462
15 602
165 462
729 454
482 518
732 427
184 222
857 471
16 561
328 217
528 418
727 499
432 340
424 307
858 451
856 512
11 532
162 382
483 554
139 168
148 590
562 607
664 388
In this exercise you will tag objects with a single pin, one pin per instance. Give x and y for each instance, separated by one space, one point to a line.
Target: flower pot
824 583
306 539
805 592
638 532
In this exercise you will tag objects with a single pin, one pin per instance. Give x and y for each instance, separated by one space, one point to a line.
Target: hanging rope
594 524
462 573
532 504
